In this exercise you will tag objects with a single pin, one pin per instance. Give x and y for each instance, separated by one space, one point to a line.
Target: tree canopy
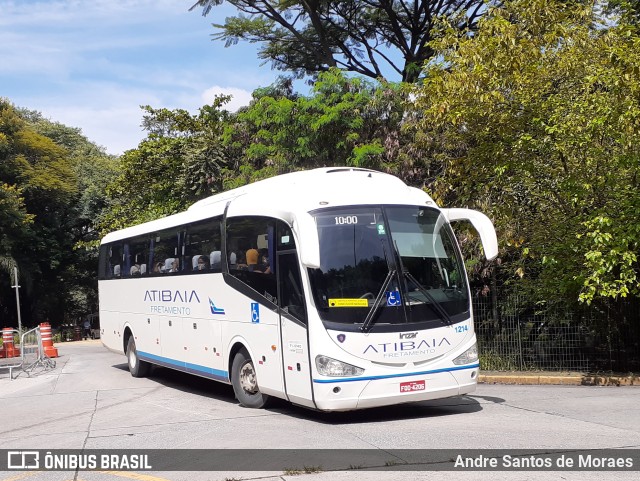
376 38
343 121
186 157
51 180
536 118
179 162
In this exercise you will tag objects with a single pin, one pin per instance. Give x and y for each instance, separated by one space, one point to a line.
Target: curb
563 379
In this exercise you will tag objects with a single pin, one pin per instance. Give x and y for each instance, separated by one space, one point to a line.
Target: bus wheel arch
125 338
243 377
137 367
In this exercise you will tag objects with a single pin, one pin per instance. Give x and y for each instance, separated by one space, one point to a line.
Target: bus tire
137 368
245 382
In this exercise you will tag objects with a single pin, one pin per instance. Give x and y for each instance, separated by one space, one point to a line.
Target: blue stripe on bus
389 376
224 375
205 371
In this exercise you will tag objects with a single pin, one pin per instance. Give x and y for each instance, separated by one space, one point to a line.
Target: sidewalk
560 378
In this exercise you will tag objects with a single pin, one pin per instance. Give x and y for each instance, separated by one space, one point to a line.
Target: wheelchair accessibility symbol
393 298
255 312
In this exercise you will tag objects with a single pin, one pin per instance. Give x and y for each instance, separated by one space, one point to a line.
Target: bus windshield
403 256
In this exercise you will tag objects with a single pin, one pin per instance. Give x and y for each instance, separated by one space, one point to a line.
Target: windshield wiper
434 304
368 321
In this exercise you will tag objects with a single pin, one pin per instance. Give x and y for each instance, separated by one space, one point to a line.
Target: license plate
412 386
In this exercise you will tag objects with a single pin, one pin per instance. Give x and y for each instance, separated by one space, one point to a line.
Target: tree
14 221
51 180
369 37
629 9
536 118
179 162
343 121
36 169
76 277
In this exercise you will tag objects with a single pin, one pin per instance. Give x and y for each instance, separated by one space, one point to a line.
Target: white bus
333 288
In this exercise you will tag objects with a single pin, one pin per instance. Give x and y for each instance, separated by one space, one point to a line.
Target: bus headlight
328 366
468 356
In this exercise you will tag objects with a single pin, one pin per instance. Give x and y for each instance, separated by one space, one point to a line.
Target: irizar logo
168 295
408 335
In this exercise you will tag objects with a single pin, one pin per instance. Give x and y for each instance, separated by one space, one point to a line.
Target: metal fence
516 335
27 354
34 358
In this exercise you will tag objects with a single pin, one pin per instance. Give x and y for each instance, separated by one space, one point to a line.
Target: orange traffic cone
8 349
47 340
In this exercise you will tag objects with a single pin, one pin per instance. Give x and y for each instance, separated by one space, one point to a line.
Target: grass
305 470
492 361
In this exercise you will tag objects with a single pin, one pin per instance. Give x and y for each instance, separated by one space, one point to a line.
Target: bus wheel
245 382
137 368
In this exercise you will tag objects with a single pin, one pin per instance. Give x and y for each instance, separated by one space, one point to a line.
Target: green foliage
51 191
493 361
178 163
628 9
14 218
376 39
536 116
612 258
343 122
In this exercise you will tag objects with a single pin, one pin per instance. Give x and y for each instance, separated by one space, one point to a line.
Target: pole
17 287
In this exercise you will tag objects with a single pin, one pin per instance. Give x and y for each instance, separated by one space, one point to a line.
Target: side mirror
482 224
309 248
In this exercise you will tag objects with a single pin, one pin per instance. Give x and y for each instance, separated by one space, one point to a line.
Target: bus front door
293 331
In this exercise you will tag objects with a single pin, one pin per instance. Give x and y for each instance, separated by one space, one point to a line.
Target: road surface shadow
188 383
415 410
223 392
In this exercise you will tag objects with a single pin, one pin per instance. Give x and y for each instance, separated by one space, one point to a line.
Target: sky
92 63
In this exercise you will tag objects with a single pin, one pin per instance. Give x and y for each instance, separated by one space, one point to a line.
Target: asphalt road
90 402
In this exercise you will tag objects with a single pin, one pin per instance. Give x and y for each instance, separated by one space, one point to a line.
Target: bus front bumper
375 391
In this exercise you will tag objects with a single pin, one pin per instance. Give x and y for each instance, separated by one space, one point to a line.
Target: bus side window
139 256
166 251
201 240
250 245
116 259
106 262
291 290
